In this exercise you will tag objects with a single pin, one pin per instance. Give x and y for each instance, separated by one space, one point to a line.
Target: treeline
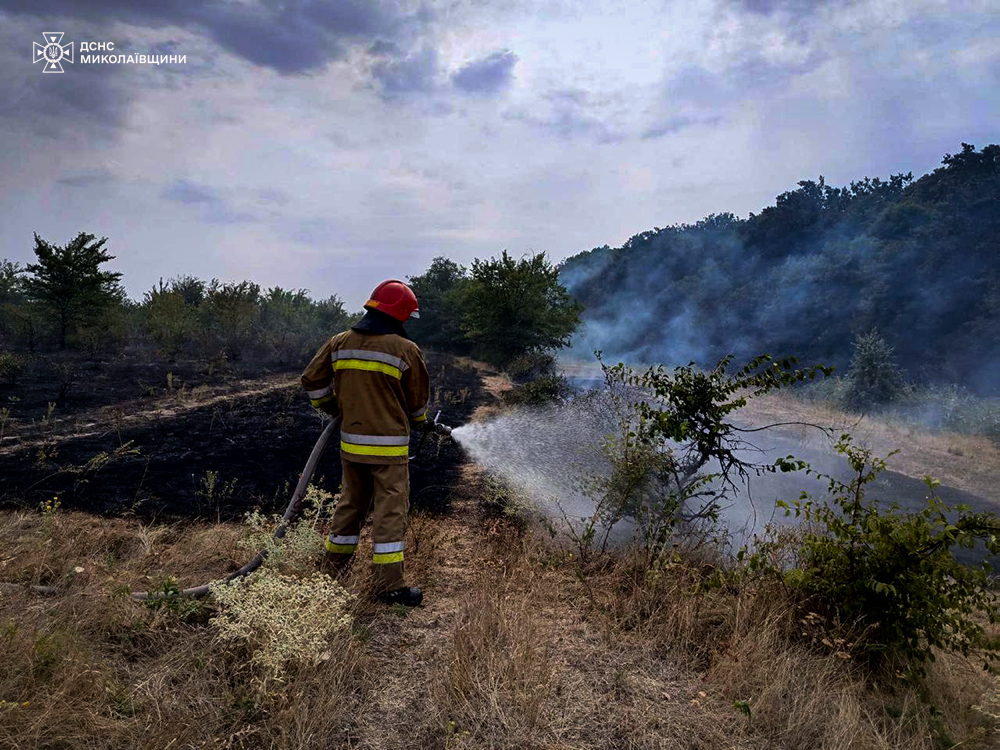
66 299
916 261
498 310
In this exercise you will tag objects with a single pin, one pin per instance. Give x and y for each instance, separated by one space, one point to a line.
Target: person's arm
417 388
318 381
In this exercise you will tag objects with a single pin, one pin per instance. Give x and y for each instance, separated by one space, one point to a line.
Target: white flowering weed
282 619
303 541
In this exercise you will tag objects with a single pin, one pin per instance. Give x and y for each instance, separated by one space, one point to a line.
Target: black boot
408 596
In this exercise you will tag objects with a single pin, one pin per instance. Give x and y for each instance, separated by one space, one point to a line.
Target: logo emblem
52 52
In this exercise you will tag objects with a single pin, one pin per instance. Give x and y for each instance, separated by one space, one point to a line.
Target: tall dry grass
519 646
92 669
751 643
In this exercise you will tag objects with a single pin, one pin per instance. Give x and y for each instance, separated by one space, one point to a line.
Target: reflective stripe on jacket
381 388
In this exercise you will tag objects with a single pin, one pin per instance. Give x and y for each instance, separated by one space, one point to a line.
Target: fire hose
291 511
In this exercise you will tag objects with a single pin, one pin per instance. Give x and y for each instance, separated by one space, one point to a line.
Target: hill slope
919 260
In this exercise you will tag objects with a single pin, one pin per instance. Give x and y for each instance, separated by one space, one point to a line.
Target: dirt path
504 654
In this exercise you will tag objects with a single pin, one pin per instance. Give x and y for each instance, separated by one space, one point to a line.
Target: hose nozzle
440 429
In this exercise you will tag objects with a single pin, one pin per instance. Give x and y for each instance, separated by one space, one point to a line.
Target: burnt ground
128 441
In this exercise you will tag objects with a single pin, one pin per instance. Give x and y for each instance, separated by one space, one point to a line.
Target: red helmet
395 298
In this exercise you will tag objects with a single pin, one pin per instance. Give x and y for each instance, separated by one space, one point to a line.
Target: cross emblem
52 52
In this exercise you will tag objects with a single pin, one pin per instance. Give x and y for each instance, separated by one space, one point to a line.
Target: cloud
414 74
182 191
87 179
594 130
490 75
288 36
676 124
215 208
568 113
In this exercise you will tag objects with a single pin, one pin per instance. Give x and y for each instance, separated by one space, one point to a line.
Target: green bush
669 426
170 320
952 408
888 577
512 307
543 390
875 378
231 315
531 366
11 367
439 290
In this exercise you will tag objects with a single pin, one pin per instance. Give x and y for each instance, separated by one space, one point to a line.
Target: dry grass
968 462
517 647
747 644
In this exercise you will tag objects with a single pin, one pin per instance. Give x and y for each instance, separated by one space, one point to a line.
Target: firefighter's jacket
380 386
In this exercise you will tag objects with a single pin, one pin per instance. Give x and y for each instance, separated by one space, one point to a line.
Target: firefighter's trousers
386 488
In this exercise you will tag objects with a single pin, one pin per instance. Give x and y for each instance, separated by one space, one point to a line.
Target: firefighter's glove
330 409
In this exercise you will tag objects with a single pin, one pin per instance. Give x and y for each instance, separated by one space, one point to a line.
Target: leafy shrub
952 408
542 390
292 324
499 498
939 407
875 378
171 321
11 367
439 290
890 576
530 366
668 425
232 316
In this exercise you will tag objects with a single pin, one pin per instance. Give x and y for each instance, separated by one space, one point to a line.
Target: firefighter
375 378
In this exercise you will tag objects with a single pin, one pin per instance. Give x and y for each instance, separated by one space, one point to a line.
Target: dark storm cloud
492 74
86 99
293 36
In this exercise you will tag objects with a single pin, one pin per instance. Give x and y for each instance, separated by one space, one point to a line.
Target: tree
170 320
517 306
68 281
232 315
875 377
333 316
439 291
11 296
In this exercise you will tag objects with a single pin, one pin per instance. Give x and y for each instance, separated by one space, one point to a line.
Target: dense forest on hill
918 260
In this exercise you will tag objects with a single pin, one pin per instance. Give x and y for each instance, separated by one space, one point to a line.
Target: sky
330 145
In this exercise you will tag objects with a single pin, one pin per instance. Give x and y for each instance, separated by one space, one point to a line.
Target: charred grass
114 451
